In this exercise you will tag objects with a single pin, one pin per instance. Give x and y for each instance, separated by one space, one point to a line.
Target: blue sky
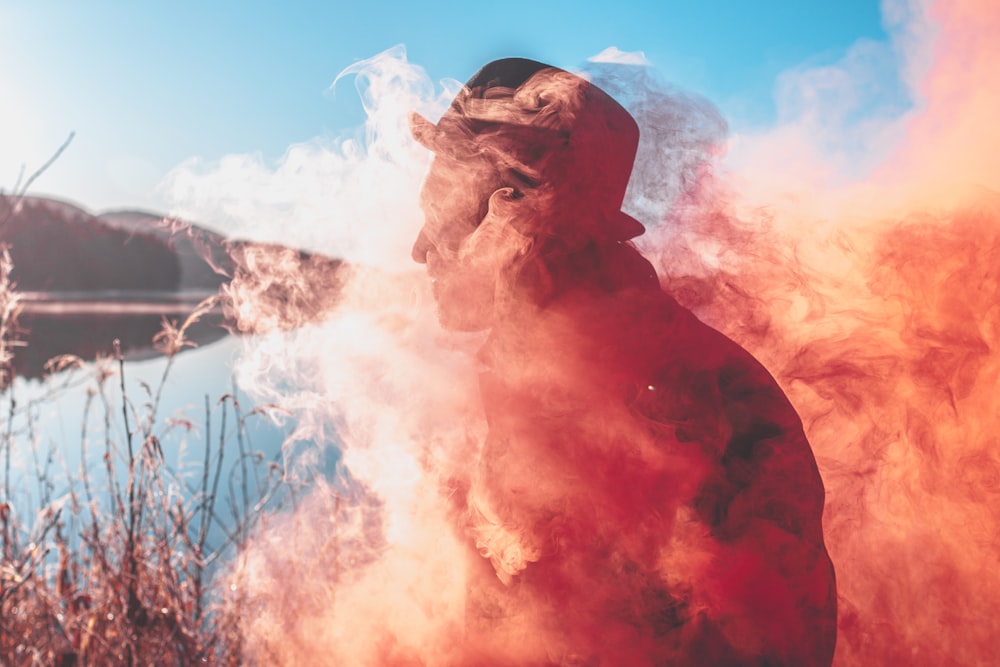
148 85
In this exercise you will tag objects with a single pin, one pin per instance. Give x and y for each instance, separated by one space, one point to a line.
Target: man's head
526 154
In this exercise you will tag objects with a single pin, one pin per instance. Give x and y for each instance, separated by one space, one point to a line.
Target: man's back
646 494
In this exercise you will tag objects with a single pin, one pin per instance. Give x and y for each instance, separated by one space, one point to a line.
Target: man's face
460 262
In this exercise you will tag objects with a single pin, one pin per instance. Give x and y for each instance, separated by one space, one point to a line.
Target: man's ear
504 199
527 210
497 237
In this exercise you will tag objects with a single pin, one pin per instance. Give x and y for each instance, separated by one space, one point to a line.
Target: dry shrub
118 568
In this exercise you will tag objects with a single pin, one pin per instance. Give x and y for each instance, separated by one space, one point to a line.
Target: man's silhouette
646 494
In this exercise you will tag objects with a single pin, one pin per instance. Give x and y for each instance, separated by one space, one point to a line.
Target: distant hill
87 279
56 246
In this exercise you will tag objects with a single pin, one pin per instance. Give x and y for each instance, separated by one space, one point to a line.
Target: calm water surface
57 419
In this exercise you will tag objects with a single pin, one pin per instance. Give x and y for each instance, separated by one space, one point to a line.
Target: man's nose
420 248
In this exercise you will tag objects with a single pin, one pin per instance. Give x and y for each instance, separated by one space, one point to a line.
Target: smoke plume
853 249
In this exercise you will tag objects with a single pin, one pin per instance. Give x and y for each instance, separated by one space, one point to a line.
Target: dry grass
123 561
117 566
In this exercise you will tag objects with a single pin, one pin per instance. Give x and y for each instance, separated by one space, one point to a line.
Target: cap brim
452 143
625 227
622 226
425 132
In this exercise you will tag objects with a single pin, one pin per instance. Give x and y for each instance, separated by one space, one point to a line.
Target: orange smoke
912 518
950 144
874 302
871 296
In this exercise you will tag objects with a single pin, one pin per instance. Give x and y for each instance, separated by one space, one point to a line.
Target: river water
58 428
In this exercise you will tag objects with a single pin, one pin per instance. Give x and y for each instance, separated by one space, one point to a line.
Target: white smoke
616 56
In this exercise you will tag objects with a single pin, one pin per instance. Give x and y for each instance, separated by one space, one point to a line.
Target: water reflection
88 284
67 428
52 330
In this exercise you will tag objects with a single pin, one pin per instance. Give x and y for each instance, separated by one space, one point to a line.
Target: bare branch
21 189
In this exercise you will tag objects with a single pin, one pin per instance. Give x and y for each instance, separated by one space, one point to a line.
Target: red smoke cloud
872 301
